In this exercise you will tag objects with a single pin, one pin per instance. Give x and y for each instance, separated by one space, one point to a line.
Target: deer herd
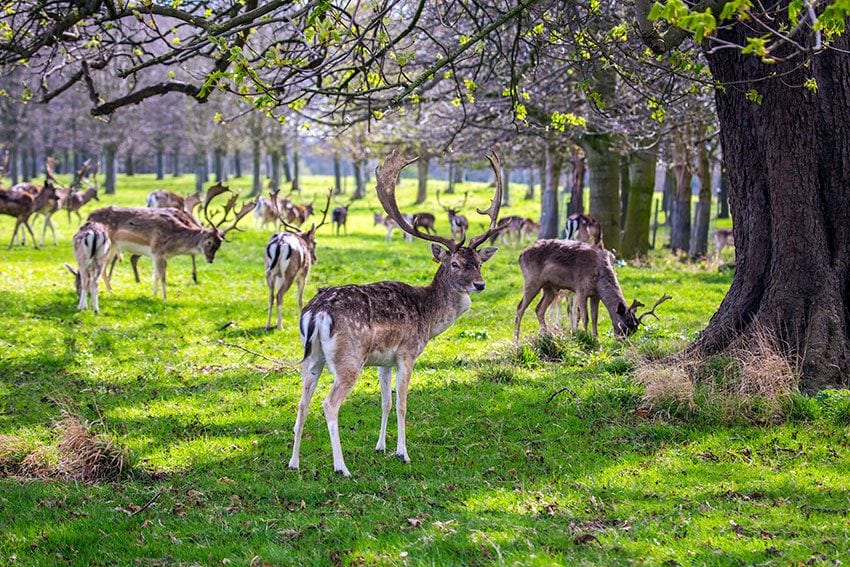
385 324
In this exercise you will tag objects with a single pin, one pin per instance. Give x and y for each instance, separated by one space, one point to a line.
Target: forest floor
544 453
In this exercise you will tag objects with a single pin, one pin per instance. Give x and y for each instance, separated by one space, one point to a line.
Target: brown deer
425 221
74 200
339 218
458 223
723 237
163 233
91 246
586 270
4 168
386 324
391 225
22 201
295 214
162 199
288 258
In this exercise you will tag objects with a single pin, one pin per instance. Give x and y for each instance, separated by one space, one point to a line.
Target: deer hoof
293 465
402 457
343 471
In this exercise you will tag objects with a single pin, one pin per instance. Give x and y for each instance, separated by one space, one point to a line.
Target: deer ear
440 254
621 308
487 253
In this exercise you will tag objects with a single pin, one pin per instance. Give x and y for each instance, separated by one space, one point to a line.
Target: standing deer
723 237
74 200
91 246
553 265
289 256
386 324
163 233
22 201
425 221
458 223
162 199
583 228
392 225
339 218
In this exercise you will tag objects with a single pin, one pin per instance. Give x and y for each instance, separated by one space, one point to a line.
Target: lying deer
458 223
163 233
289 256
386 324
91 246
553 265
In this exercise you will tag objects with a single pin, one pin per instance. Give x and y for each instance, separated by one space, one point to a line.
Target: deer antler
495 205
387 175
246 208
80 174
325 212
465 197
663 298
212 193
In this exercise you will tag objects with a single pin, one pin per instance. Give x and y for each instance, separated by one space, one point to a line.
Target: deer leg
93 284
194 270
271 284
84 288
545 301
280 293
134 261
402 381
581 304
528 294
111 256
159 266
385 376
14 234
299 284
594 314
572 307
311 369
344 378
29 229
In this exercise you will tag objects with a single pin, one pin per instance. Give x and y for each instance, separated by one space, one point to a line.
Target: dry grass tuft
87 457
13 450
765 372
665 382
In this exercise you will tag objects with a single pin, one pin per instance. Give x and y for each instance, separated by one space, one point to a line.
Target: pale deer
586 270
386 324
61 194
723 237
163 233
22 201
391 225
267 210
91 246
288 258
458 223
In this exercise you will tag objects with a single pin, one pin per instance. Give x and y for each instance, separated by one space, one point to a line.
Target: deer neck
609 291
443 305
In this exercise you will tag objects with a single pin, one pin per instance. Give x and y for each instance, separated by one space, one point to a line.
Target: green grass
498 474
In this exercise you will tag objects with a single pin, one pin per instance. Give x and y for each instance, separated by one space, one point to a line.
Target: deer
91 246
392 225
425 221
552 265
339 218
163 233
289 256
723 237
161 199
295 214
583 228
4 168
22 201
386 324
74 200
458 223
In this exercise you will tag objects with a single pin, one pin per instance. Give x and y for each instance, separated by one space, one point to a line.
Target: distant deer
163 233
458 223
22 201
295 214
74 200
391 225
339 218
553 265
425 221
91 246
288 258
723 237
386 324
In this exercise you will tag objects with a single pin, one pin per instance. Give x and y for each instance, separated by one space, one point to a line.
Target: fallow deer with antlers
91 246
75 200
288 258
22 201
163 233
554 265
386 324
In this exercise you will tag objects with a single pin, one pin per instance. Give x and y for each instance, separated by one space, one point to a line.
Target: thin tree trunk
159 164
296 172
680 228
422 173
723 196
274 183
451 188
256 160
337 175
359 186
604 181
506 186
287 170
13 165
33 164
109 151
639 213
129 166
577 158
200 171
529 192
702 216
175 163
237 164
625 186
667 195
549 221
218 165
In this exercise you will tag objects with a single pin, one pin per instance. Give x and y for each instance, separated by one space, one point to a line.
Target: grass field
501 471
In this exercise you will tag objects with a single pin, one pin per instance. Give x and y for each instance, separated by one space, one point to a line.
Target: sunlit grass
505 468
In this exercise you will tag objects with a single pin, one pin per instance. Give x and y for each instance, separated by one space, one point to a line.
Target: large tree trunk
549 222
723 195
175 162
642 188
604 181
237 164
788 160
218 165
287 171
201 173
422 187
702 216
451 188
13 165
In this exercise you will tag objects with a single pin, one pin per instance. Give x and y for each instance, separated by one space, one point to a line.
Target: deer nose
479 286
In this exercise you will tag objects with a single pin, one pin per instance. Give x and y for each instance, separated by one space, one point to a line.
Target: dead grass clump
764 372
666 382
87 457
13 450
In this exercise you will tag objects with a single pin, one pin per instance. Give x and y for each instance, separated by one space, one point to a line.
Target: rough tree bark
577 191
549 222
788 160
604 181
296 172
422 172
702 216
109 151
642 187
680 227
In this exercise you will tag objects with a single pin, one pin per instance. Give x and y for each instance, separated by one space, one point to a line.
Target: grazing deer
289 256
339 218
268 210
723 237
295 214
386 324
586 270
163 199
458 223
91 246
514 228
163 233
392 225
22 201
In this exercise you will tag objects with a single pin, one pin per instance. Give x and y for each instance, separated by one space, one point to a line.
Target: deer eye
455 265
